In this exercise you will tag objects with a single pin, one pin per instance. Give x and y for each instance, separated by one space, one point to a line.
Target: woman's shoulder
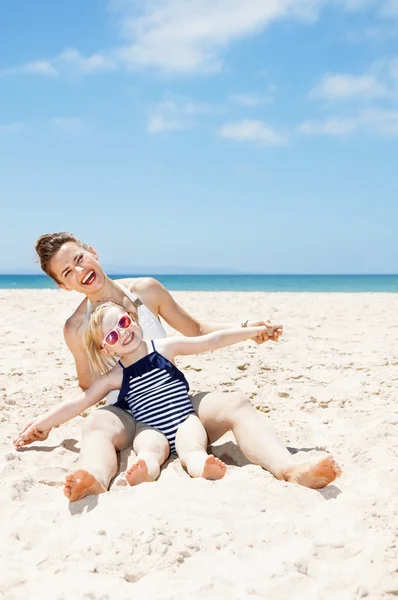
138 285
146 289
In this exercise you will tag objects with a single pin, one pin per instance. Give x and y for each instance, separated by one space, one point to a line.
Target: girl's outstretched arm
69 408
176 346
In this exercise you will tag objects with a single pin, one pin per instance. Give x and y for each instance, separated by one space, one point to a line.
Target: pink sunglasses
112 337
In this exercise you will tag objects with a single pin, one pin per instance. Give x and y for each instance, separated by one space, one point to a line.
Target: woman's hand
270 332
30 434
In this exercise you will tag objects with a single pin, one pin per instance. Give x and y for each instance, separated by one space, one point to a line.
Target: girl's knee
155 446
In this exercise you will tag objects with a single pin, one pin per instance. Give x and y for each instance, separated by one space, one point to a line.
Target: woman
74 266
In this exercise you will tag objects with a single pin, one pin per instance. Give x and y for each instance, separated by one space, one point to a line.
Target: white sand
331 383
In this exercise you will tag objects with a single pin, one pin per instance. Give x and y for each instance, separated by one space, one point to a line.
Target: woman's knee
110 425
238 404
96 421
239 401
219 411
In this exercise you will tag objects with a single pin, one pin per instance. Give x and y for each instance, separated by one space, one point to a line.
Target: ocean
239 283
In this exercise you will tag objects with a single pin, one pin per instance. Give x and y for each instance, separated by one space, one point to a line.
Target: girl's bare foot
213 468
80 484
315 474
138 473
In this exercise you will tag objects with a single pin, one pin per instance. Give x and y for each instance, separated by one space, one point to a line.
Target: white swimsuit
150 325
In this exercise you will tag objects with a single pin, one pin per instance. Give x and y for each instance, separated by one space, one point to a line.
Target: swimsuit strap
130 295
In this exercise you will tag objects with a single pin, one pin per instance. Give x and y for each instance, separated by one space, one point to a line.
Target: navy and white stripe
155 392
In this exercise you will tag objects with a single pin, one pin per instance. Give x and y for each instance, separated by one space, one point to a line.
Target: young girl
151 388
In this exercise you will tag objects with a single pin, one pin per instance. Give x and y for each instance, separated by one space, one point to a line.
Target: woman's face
119 328
77 269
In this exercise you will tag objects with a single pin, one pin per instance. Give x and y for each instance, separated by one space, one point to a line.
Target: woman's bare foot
80 484
213 468
314 475
138 473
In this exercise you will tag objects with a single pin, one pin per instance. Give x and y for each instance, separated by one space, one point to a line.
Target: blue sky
258 136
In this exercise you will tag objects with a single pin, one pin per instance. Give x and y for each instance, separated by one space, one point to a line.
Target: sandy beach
328 386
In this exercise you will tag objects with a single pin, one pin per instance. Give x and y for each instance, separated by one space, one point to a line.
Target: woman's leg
152 450
191 443
104 432
220 412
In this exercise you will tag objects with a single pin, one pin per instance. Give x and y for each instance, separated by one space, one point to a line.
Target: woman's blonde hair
100 362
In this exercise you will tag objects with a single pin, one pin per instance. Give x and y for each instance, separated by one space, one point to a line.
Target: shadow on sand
68 444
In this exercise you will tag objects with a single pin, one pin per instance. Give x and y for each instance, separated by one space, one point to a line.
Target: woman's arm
154 295
74 342
69 408
178 346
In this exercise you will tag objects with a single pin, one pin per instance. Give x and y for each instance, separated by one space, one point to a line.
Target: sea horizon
251 282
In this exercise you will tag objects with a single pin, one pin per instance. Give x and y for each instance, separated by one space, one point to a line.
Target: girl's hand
269 332
30 434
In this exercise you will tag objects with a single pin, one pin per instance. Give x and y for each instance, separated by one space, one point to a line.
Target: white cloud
183 37
174 113
187 36
381 122
379 83
90 64
390 8
256 131
385 8
11 127
68 124
55 66
41 67
335 126
38 67
355 5
382 33
252 99
384 122
342 86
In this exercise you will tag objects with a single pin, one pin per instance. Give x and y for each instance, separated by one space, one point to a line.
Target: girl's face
121 334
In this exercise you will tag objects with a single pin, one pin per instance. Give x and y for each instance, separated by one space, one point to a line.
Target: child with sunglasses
151 388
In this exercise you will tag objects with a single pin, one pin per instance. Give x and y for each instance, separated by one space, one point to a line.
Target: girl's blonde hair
93 334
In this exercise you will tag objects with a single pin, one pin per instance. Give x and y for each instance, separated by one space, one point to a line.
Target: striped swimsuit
155 393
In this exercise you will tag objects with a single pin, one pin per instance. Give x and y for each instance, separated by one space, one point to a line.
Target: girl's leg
220 412
104 432
191 444
152 450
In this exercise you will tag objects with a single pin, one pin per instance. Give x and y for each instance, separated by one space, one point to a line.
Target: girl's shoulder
114 376
165 346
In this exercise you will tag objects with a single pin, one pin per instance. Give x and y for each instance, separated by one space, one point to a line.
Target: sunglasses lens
124 322
112 338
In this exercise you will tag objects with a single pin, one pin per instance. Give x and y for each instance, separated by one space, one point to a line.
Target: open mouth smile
89 278
128 339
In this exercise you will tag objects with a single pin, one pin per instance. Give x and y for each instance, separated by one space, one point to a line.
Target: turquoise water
240 283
